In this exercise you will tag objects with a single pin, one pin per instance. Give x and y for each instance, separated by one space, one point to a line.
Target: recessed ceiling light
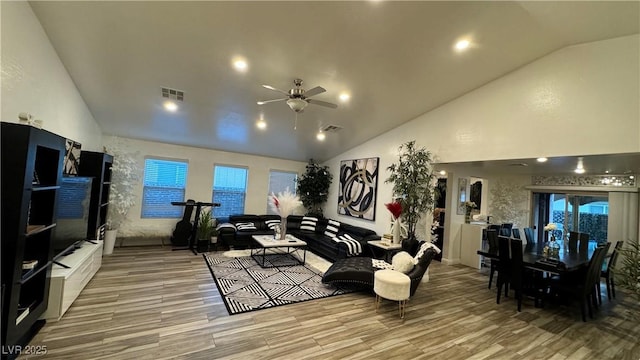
344 96
261 124
170 106
240 64
321 136
542 159
580 167
442 172
462 44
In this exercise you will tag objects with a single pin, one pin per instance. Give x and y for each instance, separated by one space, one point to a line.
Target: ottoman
355 270
392 285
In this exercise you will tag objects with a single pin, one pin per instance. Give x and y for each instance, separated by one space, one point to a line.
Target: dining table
566 261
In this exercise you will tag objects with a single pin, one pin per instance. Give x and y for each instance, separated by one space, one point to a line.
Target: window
164 182
592 216
279 181
229 189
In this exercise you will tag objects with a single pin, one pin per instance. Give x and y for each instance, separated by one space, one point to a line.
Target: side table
383 250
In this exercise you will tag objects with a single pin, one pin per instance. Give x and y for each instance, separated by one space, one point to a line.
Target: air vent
173 94
331 128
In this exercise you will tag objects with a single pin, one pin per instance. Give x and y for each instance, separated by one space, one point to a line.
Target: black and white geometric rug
246 286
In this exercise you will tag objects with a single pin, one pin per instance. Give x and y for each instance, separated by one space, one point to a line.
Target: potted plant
313 188
124 178
627 272
413 187
205 229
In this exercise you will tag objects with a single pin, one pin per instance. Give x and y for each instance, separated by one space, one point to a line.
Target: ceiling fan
298 98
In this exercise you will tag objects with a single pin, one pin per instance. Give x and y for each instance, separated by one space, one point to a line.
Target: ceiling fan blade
269 101
322 103
315 91
274 89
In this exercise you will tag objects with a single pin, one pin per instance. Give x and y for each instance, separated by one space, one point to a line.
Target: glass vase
283 228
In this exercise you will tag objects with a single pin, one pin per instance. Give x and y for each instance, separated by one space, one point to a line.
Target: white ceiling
395 58
613 164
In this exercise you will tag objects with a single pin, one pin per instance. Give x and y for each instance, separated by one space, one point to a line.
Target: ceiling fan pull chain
295 123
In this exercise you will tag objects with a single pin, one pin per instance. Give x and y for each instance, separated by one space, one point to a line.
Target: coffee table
266 245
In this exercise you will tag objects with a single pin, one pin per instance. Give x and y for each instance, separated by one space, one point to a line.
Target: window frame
179 212
213 184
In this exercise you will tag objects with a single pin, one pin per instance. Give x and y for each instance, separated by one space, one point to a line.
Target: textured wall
35 81
554 106
199 179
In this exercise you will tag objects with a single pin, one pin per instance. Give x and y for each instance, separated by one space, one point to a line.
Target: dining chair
528 235
607 271
505 229
516 233
492 238
578 241
517 270
504 267
584 291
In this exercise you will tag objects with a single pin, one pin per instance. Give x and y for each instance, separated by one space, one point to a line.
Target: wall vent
173 94
331 128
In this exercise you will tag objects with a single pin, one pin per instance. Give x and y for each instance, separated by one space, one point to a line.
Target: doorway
583 212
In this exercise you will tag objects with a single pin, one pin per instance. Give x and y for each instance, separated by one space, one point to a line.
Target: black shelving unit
32 162
97 165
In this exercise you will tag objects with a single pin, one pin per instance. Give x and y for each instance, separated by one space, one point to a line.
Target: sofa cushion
308 223
356 230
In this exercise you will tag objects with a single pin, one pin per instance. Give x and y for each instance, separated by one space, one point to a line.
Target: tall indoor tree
313 188
413 184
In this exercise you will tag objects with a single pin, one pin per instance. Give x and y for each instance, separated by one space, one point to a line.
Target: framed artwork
462 196
71 157
358 185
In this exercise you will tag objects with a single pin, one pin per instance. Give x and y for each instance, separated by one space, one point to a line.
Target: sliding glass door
582 212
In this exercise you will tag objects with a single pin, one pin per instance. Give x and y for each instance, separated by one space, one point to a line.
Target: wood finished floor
154 303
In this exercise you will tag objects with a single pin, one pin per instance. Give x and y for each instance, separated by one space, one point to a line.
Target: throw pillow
402 262
248 226
271 224
308 223
425 245
332 228
226 226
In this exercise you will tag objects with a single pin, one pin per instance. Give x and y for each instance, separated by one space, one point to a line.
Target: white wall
199 179
586 97
35 81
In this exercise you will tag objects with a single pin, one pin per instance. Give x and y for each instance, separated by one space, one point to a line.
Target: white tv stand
66 284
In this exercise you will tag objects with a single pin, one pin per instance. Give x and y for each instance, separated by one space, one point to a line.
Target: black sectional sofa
237 238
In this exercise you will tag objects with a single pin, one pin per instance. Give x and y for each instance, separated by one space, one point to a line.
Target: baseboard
450 261
142 241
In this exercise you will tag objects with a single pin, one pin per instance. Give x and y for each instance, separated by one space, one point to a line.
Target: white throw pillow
402 262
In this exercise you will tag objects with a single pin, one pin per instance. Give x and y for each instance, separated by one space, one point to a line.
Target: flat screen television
74 198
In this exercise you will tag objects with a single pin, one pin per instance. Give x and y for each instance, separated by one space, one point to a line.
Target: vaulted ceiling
396 59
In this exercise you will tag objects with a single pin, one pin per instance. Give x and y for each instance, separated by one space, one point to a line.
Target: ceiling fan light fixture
296 104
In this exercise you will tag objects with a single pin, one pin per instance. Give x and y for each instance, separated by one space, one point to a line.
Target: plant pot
109 241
